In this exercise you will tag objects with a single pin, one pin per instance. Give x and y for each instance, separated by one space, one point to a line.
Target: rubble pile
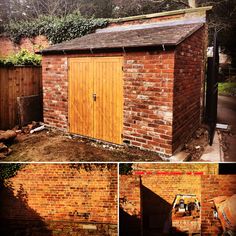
7 137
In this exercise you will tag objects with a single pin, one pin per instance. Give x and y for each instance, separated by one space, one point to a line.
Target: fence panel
16 82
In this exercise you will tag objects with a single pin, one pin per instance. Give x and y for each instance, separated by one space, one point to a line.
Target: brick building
59 199
137 82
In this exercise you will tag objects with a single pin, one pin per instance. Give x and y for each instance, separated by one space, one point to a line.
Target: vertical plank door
108 107
96 97
80 96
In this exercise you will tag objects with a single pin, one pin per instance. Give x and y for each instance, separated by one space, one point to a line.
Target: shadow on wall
156 213
129 225
16 217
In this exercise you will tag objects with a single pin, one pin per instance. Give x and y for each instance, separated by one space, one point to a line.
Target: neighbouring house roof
133 38
160 14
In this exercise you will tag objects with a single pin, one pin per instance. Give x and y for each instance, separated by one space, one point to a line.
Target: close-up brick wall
160 183
158 195
168 186
214 186
8 47
49 193
154 199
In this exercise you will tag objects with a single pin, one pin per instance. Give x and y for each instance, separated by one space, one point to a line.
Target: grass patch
227 88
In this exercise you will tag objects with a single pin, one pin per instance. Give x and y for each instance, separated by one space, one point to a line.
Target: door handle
94 97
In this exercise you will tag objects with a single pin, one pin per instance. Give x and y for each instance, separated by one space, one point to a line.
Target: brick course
57 192
186 168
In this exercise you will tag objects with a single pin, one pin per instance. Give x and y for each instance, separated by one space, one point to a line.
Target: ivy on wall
9 170
24 57
125 168
54 28
91 167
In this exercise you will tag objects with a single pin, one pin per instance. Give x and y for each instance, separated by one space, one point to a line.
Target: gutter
101 50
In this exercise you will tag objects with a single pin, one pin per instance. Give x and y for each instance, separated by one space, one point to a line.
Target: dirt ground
55 146
52 146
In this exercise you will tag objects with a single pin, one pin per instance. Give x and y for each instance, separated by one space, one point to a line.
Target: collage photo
117 118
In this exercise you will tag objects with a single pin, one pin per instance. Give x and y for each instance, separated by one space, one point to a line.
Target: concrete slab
180 157
212 153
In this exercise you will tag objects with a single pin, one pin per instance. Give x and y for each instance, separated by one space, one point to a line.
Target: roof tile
168 36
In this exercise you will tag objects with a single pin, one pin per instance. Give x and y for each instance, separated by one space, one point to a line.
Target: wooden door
96 97
80 96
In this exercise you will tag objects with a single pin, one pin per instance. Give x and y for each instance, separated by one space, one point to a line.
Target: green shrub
9 170
125 168
24 57
227 88
55 29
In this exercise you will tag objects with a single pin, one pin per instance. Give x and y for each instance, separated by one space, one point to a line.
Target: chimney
192 3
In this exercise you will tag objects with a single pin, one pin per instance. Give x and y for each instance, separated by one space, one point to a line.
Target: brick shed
137 82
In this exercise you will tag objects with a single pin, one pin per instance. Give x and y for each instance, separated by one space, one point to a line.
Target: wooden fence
16 82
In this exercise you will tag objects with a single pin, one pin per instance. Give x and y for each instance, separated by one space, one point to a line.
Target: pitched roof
133 38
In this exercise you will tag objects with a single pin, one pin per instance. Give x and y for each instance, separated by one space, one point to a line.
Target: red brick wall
189 74
148 100
57 192
168 186
55 91
214 186
7 47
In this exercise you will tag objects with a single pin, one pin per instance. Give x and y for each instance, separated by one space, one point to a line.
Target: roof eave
111 49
